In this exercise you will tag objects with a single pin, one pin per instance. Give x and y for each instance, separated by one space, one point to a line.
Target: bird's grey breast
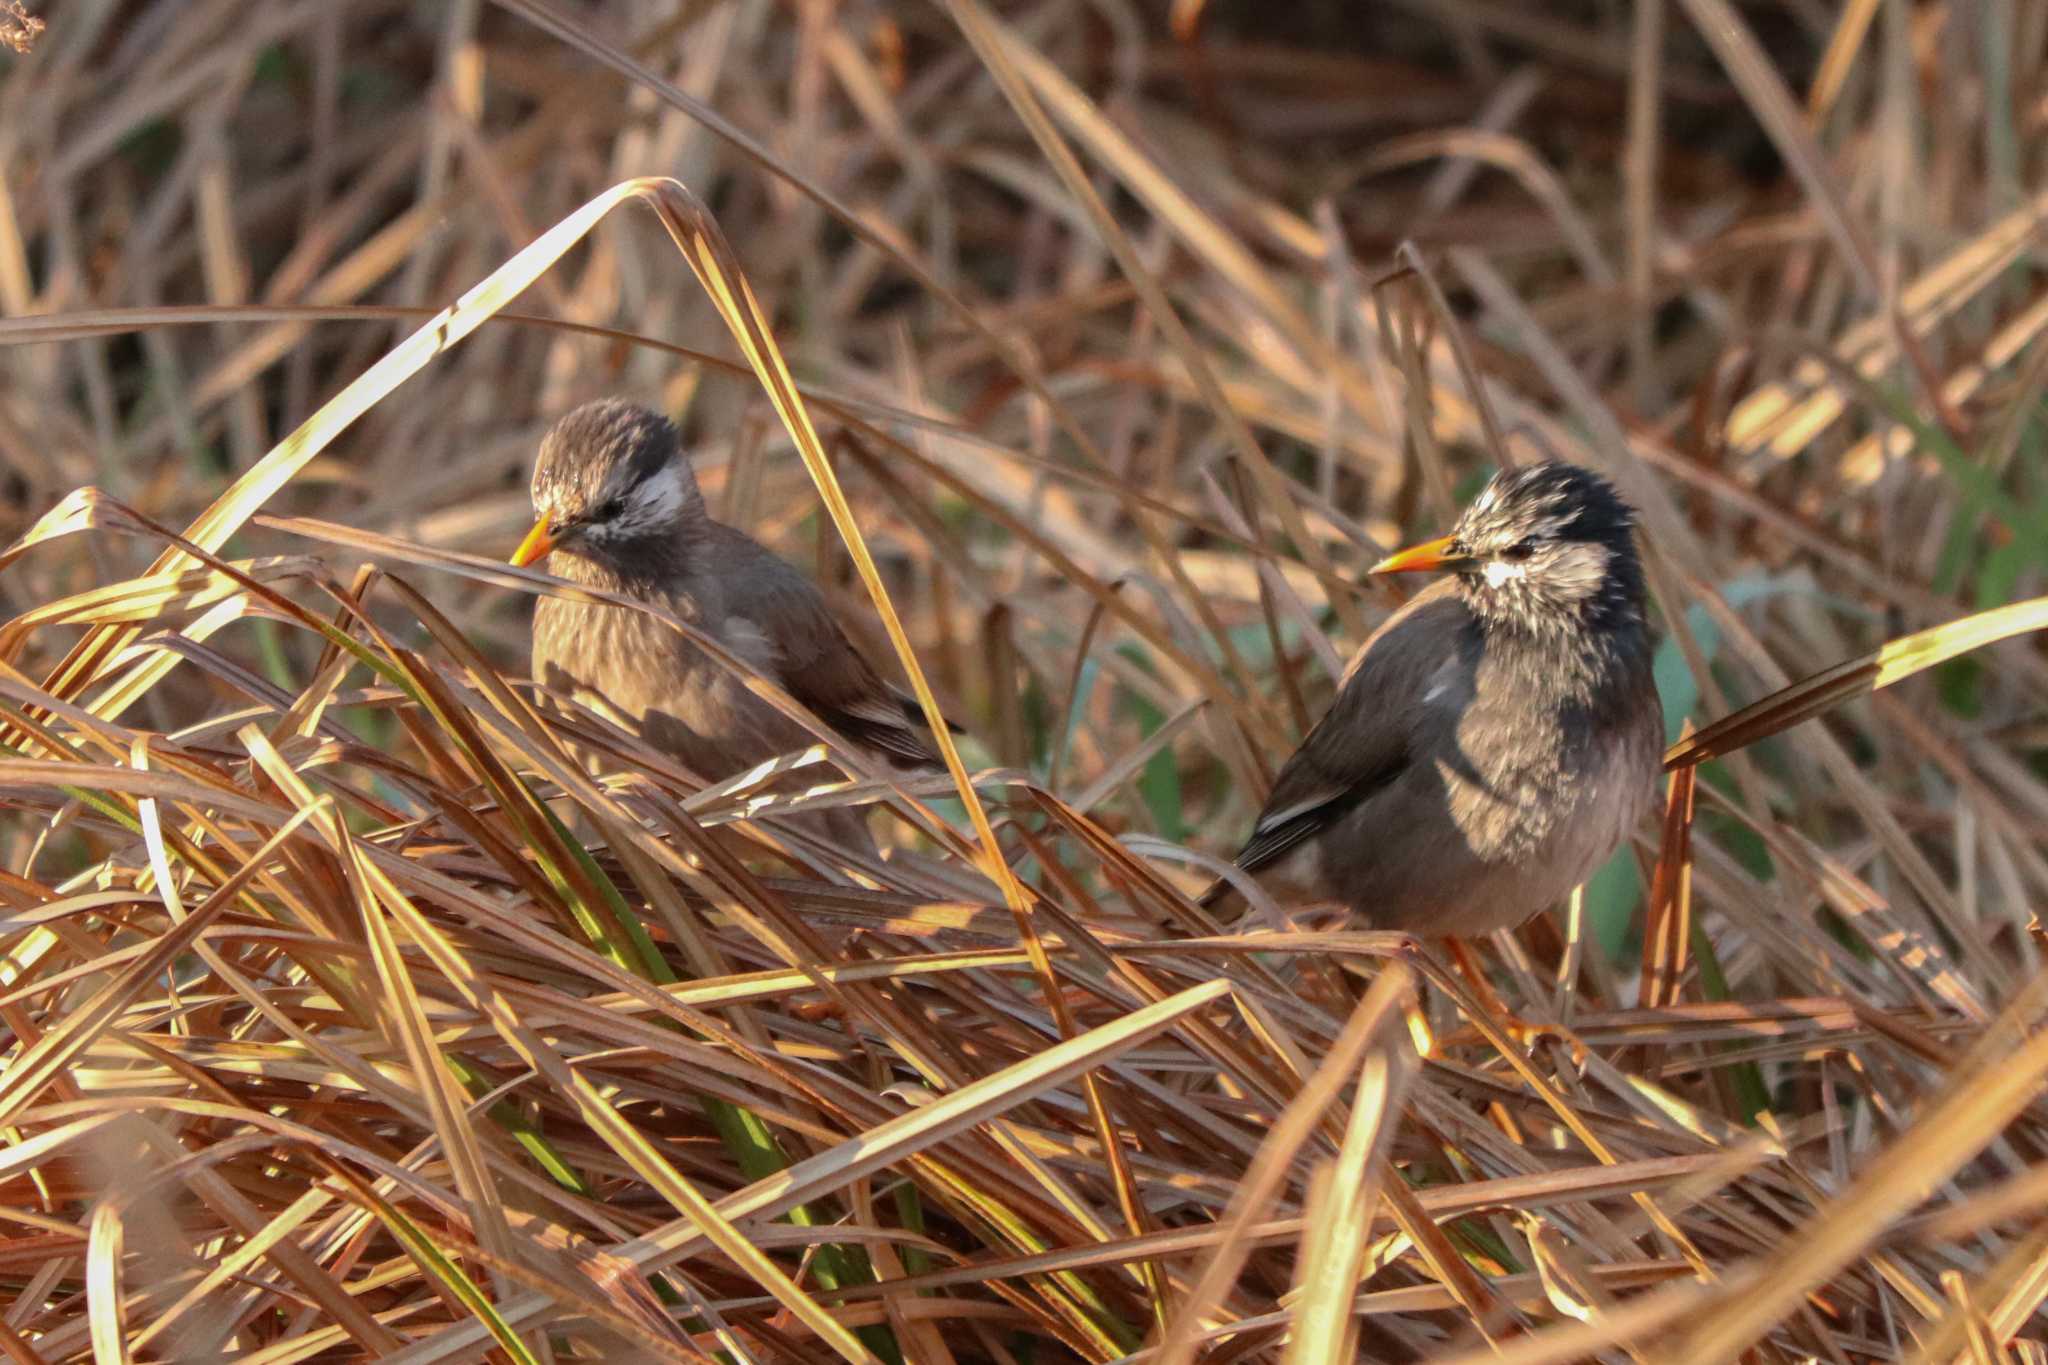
1534 774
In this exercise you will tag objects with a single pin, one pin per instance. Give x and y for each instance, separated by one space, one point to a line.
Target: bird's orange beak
538 542
1430 554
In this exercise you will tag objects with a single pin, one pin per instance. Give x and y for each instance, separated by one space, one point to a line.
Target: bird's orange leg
1523 1031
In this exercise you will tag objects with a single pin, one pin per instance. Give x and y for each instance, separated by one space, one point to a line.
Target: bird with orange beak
616 506
1495 740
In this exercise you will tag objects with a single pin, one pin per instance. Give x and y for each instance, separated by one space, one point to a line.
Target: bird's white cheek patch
1499 571
655 503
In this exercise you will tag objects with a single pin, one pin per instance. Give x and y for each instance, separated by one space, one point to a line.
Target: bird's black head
611 486
1542 547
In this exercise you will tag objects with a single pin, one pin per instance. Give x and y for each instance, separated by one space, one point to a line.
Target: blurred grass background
1133 333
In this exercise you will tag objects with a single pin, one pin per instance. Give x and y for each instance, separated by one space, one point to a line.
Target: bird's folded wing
822 669
1317 787
889 723
1364 741
818 665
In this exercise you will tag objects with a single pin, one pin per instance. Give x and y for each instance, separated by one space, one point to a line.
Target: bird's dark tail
913 711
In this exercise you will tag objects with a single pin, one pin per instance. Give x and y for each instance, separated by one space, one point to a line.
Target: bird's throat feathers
1577 617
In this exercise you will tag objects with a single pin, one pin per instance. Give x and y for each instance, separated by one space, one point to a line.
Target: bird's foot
1493 1014
1529 1033
1406 947
1506 1026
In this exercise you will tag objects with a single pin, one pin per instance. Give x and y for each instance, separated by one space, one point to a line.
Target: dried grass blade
1337 1239
1774 107
906 1134
1829 688
446 1272
1273 1164
1947 1133
79 510
1184 215
1553 1099
1637 1320
1018 357
261 1237
1844 43
1546 1190
1772 103
710 257
597 907
2027 1290
403 1010
642 1319
241 500
892 1140
1667 924
25 1076
105 1307
615 1131
1025 79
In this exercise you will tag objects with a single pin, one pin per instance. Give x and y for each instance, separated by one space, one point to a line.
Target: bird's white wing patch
750 642
1441 682
876 710
1274 819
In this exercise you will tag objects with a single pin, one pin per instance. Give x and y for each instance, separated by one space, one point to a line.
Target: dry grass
345 1017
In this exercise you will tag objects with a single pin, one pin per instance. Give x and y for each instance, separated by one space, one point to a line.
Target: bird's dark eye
609 509
1519 551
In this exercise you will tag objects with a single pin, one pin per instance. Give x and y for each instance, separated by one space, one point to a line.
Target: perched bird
617 507
1495 740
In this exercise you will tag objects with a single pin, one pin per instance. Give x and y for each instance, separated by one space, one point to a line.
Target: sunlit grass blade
1824 691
